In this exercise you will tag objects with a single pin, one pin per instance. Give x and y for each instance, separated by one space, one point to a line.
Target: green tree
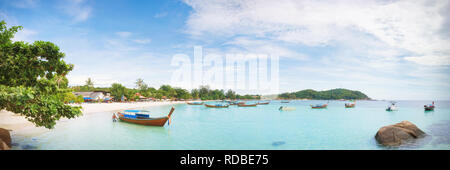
230 94
117 90
79 99
30 79
89 84
140 84
195 94
167 91
204 93
182 93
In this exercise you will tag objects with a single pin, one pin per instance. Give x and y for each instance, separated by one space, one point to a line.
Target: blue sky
386 49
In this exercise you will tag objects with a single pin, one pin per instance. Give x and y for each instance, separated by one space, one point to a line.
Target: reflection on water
278 143
440 132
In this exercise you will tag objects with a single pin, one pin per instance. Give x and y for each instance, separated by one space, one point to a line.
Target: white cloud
124 34
24 3
412 27
161 15
77 9
245 45
142 41
430 60
25 35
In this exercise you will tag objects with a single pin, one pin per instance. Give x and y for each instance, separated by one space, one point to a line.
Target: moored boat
392 107
217 105
247 105
429 107
194 103
350 105
142 117
319 106
236 103
285 101
284 108
263 103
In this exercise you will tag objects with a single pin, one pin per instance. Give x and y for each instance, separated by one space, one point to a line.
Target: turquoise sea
262 127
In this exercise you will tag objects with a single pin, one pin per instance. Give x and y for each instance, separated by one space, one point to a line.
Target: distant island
333 94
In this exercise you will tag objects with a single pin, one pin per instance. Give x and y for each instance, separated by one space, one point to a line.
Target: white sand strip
22 127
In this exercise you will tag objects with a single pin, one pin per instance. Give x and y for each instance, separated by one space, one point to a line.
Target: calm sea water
261 127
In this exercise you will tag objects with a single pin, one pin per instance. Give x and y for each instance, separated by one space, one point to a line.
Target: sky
386 49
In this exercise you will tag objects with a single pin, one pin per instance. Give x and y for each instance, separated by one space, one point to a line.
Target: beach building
94 96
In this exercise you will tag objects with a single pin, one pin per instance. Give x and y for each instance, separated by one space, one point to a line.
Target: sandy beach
20 126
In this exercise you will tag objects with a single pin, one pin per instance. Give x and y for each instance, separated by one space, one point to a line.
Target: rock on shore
397 134
5 139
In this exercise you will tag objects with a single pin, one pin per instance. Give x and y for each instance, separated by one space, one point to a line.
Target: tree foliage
118 90
324 95
32 79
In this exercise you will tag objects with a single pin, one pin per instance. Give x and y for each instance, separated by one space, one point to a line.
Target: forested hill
332 94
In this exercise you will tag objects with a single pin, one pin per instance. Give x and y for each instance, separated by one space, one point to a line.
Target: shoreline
20 126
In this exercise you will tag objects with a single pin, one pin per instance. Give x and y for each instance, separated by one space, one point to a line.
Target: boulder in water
3 145
5 136
397 134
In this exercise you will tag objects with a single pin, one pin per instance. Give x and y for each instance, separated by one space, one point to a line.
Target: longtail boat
429 107
284 108
143 118
263 103
349 105
217 106
247 105
319 106
236 103
392 107
194 103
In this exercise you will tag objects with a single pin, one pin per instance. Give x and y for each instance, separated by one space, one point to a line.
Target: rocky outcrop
397 134
3 145
5 138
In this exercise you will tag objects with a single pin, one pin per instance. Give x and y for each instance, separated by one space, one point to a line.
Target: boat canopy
136 111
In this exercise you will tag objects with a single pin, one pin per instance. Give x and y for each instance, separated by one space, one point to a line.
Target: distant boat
392 107
217 105
285 101
194 103
350 105
142 117
319 106
263 103
284 108
247 105
236 103
429 107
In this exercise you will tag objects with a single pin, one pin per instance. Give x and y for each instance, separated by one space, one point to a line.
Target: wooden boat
392 107
349 105
263 103
247 105
284 108
194 103
236 103
217 106
143 118
429 107
319 106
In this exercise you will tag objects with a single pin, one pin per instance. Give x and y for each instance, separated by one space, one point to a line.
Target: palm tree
89 83
139 83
